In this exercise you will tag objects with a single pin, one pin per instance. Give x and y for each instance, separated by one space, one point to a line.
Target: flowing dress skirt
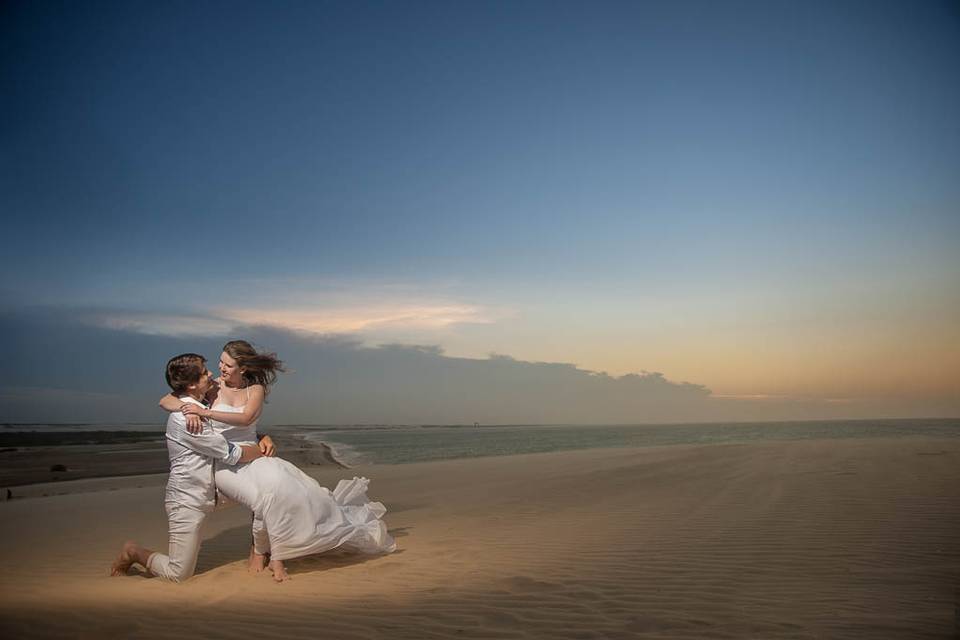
301 517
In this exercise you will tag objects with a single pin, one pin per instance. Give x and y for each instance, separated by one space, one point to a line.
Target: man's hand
194 423
267 447
249 452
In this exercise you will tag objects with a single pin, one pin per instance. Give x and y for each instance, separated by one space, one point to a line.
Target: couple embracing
214 447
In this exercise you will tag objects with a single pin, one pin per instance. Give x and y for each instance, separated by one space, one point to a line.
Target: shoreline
19 427
315 456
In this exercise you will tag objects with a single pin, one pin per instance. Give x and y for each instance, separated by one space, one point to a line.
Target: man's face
206 381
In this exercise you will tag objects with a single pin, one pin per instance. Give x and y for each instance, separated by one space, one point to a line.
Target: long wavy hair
257 367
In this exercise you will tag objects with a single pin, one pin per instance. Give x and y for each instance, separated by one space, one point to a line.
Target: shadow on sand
233 545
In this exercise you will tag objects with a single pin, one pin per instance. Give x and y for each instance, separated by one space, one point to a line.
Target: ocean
401 444
405 444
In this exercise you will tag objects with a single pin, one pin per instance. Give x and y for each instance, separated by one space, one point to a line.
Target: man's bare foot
257 562
128 555
279 571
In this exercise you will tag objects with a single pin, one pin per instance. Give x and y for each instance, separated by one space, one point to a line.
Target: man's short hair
185 370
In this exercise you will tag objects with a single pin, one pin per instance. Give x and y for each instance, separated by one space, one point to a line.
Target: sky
758 199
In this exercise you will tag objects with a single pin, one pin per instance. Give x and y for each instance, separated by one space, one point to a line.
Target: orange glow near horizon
841 363
825 367
896 341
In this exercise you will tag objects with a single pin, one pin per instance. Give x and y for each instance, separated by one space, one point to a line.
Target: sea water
406 444
393 444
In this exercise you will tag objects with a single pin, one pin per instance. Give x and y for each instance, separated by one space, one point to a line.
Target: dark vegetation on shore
30 457
64 438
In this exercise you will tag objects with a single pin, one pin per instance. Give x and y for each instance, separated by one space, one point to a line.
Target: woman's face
230 371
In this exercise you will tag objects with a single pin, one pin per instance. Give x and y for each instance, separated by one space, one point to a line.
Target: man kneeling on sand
191 493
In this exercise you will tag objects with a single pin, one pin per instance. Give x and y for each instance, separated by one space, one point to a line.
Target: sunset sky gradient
762 198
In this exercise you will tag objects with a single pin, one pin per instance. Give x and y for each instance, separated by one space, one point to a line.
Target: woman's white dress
300 517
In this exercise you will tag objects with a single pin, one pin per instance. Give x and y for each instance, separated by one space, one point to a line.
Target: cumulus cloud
59 367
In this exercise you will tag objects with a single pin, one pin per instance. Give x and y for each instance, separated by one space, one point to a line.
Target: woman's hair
185 370
258 368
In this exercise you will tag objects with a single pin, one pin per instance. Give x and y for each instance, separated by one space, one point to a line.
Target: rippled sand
810 539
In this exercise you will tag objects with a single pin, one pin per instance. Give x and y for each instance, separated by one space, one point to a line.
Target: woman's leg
279 571
237 484
271 481
260 547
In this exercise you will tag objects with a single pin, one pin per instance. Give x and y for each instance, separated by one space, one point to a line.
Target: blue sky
761 197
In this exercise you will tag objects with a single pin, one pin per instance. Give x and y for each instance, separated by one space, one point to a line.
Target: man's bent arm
207 443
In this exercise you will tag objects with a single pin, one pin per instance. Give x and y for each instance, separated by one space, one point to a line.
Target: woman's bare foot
279 571
258 562
131 552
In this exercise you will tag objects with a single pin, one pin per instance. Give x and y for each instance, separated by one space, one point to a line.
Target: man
191 493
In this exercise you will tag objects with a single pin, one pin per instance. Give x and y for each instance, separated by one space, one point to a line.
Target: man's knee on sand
180 575
171 569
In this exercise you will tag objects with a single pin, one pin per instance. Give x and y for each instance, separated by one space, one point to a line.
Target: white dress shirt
192 457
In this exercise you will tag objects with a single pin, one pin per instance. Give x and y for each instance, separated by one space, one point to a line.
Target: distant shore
43 453
32 457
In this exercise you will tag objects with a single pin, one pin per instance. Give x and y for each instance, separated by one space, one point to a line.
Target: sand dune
810 539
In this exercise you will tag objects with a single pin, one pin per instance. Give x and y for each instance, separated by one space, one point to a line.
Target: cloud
379 312
359 319
77 371
334 379
152 324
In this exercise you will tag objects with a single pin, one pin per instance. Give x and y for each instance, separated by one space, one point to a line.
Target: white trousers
185 536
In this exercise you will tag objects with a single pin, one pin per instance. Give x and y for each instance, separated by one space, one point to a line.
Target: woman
293 515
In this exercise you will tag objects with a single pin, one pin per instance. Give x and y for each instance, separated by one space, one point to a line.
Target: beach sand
803 539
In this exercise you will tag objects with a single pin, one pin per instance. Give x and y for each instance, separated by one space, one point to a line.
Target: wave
339 453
